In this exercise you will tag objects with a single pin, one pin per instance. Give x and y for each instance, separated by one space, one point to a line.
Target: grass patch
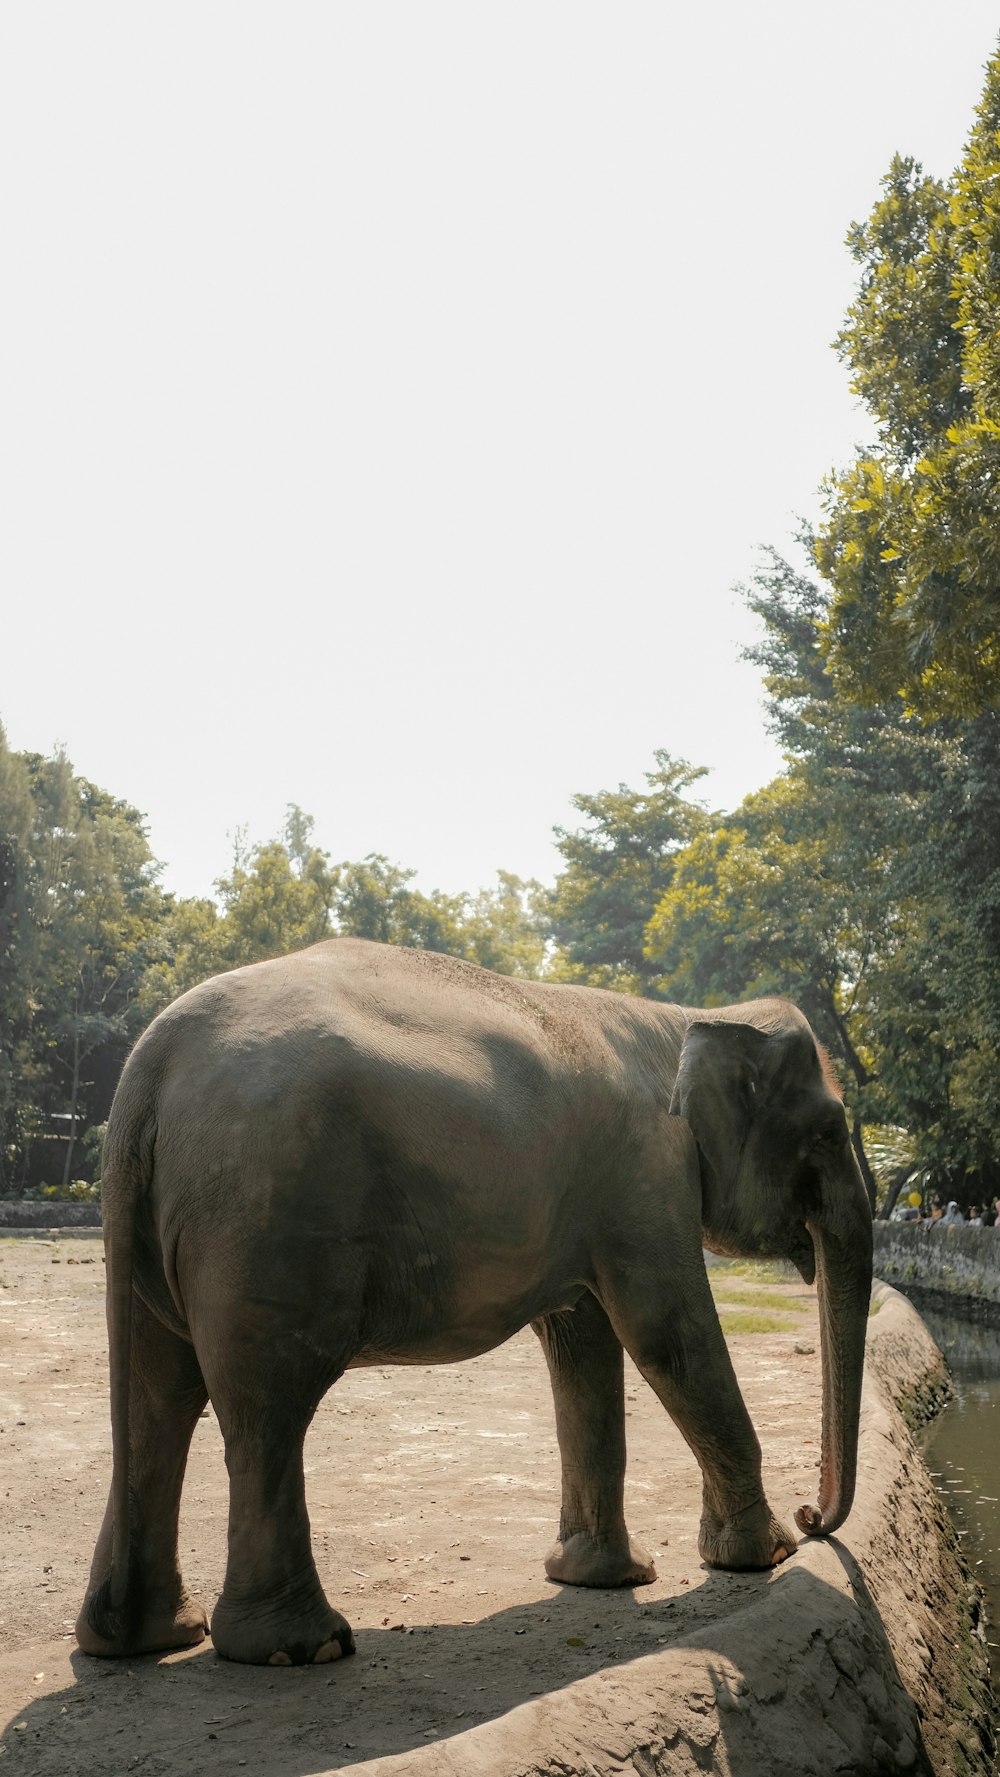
761 1270
873 1308
757 1299
753 1323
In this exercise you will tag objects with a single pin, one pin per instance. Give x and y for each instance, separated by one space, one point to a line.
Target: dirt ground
433 1495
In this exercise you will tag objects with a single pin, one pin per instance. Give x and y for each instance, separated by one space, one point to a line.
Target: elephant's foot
156 1626
751 1538
584 1560
270 1638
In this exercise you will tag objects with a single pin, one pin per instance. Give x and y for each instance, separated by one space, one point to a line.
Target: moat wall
955 1270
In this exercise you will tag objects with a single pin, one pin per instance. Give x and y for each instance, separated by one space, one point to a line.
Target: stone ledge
48 1215
955 1270
865 1656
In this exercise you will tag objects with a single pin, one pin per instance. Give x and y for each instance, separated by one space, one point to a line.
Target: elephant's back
357 1045
430 1057
350 997
361 1092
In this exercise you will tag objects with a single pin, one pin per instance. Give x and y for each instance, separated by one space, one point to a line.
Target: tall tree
505 928
285 894
911 543
271 904
617 867
81 926
911 551
16 823
825 885
275 898
375 900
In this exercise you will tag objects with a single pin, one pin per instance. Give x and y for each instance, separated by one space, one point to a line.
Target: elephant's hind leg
273 1610
166 1396
586 1367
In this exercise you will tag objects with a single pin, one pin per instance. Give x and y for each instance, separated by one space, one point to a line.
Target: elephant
365 1155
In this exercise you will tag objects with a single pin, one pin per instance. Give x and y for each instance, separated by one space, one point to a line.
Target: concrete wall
956 1269
50 1214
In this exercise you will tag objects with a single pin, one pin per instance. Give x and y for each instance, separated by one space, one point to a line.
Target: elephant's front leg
738 1528
586 1366
678 1345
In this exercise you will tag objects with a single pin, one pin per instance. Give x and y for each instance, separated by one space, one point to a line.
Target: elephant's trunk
843 1276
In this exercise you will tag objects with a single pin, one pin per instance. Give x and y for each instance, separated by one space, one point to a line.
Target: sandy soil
433 1496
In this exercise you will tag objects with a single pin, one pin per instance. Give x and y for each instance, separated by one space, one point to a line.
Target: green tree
957 970
505 928
193 947
911 551
285 894
98 922
271 906
911 542
618 866
276 897
822 886
16 823
375 900
81 925
501 928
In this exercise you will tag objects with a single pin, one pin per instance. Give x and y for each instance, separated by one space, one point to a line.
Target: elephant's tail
126 1174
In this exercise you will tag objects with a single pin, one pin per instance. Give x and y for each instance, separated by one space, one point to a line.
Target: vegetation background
863 881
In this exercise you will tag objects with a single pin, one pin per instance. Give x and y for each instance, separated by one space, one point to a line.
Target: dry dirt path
434 1497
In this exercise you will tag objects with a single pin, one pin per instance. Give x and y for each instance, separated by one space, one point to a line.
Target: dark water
962 1451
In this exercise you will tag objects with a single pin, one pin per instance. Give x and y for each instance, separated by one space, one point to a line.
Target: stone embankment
954 1270
864 1655
49 1214
48 1220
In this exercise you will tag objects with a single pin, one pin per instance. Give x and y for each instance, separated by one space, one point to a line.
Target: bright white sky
393 394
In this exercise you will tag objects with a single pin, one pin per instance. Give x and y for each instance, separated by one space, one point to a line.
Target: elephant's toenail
331 1650
280 1659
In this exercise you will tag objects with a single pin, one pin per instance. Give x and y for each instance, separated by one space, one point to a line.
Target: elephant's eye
829 1135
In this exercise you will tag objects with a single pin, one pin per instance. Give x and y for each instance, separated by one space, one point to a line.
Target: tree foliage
91 948
80 925
911 552
864 884
617 867
285 894
911 542
805 890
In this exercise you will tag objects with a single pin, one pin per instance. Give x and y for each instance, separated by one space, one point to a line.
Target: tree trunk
895 1187
862 1159
74 1097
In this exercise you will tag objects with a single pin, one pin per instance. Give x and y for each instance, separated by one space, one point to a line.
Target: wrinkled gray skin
364 1155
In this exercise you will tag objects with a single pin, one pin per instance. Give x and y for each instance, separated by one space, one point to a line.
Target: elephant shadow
733 1671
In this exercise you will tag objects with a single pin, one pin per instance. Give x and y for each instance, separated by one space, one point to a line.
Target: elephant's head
779 1179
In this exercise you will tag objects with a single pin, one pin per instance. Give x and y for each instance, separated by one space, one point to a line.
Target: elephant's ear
716 1088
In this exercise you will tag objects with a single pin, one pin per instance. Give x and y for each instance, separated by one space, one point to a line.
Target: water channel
962 1452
